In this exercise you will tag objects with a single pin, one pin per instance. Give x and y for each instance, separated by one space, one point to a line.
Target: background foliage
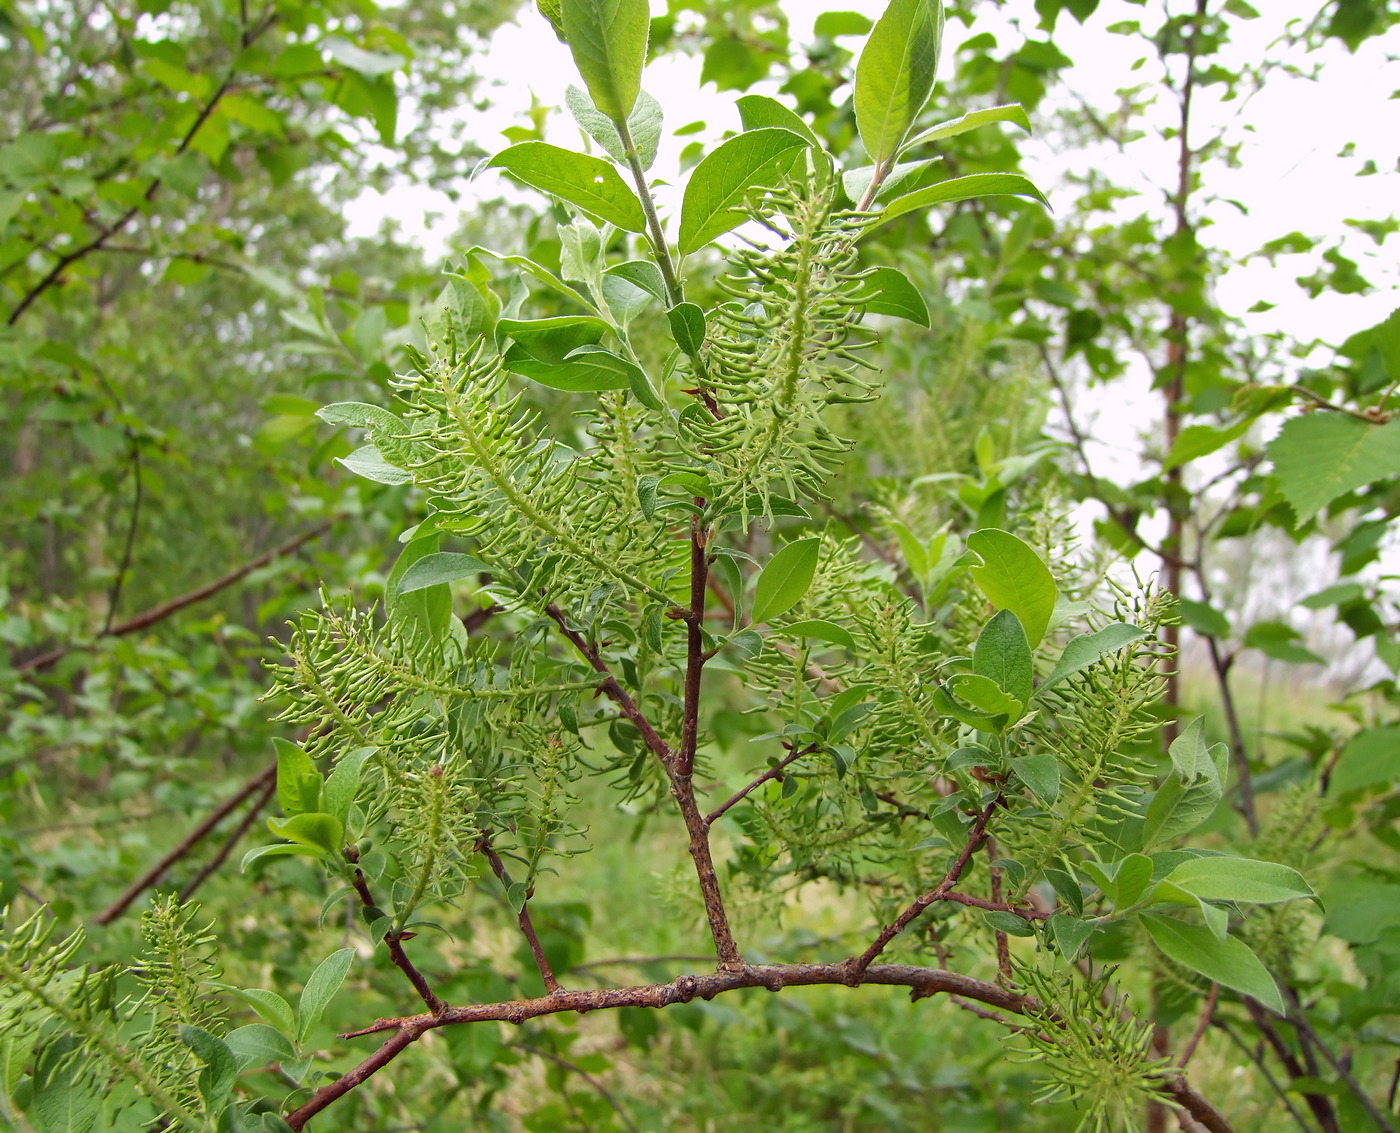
180 298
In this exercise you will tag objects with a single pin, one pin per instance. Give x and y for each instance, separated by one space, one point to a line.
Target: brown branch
1320 1104
108 231
221 856
774 772
1255 1056
1221 665
186 844
694 646
394 942
159 613
1299 1019
1207 1014
857 965
922 982
527 927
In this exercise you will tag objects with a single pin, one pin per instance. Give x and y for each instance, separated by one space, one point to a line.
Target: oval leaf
588 182
968 188
1003 653
823 631
719 184
608 39
785 579
1088 648
1228 962
895 74
1240 879
1015 578
1011 112
320 988
439 567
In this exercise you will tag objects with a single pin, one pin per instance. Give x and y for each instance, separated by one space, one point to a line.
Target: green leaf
1131 879
588 182
1179 807
429 607
552 340
1003 653
438 568
358 415
343 783
1370 757
62 1101
687 327
1089 648
370 64
785 579
294 766
1323 455
608 39
1014 577
1204 619
644 124
903 177
270 1006
368 462
1189 754
888 291
1228 962
257 1044
719 184
971 187
1219 878
320 989
895 73
831 24
1011 112
1041 773
281 850
642 274
1200 440
757 111
322 832
945 705
1279 641
1070 933
587 369
823 631
985 695
220 1067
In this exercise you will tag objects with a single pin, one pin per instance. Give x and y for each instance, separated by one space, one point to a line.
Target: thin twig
1207 1014
114 593
236 836
527 927
1298 1017
159 613
602 1090
857 965
153 875
1320 1104
394 940
774 772
1258 1060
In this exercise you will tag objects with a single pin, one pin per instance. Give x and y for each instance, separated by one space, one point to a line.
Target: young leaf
220 1067
1178 808
257 1044
985 695
1131 879
1070 933
270 1006
785 579
588 182
1011 112
320 988
1323 455
894 76
343 783
438 568
642 274
428 608
719 184
1041 773
321 832
1228 962
1240 879
551 340
293 767
368 462
757 111
888 291
1003 653
1201 440
1015 578
644 124
1369 758
608 39
967 188
823 631
1088 648
687 326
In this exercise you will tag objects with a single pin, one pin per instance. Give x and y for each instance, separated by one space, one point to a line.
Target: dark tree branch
213 864
153 875
922 982
1221 666
1319 1104
1299 1019
1207 1014
527 927
1256 1057
857 965
774 772
114 594
394 941
159 613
